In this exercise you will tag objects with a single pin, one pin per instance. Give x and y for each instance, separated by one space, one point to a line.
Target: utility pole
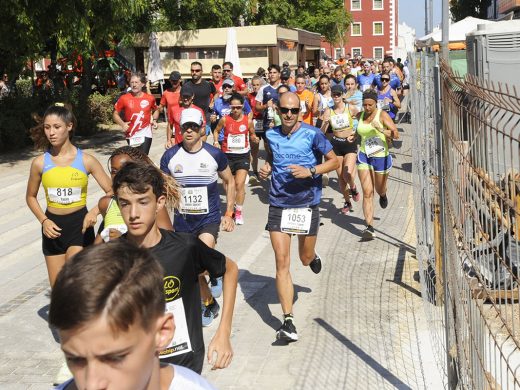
445 29
428 16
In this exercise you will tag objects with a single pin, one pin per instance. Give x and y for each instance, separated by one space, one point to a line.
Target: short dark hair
350 76
141 76
299 76
115 278
237 96
216 66
228 63
196 63
138 176
370 94
274 66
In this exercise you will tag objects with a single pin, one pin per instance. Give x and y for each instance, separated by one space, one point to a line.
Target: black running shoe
287 331
368 233
316 264
383 201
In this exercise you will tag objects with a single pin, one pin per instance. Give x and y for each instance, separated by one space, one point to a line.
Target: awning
312 48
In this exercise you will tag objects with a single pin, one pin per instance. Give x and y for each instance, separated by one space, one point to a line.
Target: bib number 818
64 191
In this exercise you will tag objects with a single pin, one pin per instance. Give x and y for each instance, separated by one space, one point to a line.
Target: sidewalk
360 321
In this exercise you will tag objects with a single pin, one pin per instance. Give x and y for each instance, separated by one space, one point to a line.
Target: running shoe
354 193
253 179
324 180
287 331
368 233
347 208
239 218
210 312
383 201
216 286
316 264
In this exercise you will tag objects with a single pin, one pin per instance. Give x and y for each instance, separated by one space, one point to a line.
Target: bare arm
315 103
94 167
220 125
325 122
389 127
331 163
396 102
229 184
118 120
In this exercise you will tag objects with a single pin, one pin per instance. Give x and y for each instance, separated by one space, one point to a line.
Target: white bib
339 122
136 140
296 221
259 124
373 146
303 107
181 342
65 195
194 200
236 141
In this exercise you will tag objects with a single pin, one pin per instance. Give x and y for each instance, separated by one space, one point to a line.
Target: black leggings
145 146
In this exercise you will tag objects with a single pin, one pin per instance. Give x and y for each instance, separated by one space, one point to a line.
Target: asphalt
360 321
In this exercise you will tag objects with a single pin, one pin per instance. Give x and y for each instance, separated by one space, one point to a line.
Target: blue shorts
208 129
376 164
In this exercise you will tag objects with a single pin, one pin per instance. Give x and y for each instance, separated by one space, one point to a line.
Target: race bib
339 122
236 141
374 146
194 200
303 107
66 195
380 103
365 87
136 140
296 221
259 125
181 342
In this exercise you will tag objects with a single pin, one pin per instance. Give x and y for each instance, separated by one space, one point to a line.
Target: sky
412 13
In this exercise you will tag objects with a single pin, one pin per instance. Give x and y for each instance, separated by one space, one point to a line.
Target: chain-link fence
466 176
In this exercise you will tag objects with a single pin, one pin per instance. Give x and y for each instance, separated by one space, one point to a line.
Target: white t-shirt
183 379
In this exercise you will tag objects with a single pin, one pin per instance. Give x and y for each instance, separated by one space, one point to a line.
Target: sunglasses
190 126
336 95
226 70
385 79
236 107
196 70
285 110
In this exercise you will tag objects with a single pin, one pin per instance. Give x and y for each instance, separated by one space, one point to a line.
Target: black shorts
238 161
71 225
342 147
145 146
261 134
211 228
274 220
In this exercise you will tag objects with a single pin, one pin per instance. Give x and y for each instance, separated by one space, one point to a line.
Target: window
378 53
252 52
355 5
377 4
377 28
356 29
338 51
356 52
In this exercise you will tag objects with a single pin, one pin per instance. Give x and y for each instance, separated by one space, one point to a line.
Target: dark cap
337 89
175 76
286 73
285 64
187 90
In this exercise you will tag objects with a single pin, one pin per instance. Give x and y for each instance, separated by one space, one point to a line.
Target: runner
256 83
294 197
113 224
238 132
173 129
216 79
138 107
171 96
195 165
366 79
337 78
387 98
204 92
306 99
108 307
266 98
353 96
140 194
227 73
63 171
344 143
374 161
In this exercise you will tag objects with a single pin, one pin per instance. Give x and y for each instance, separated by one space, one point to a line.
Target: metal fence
466 172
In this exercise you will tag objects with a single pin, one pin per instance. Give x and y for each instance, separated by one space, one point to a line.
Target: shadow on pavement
43 312
399 270
260 292
370 361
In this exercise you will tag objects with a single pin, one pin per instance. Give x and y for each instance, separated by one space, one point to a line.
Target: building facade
373 33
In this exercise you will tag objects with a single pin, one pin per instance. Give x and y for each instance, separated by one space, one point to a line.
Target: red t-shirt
138 111
252 103
239 85
236 135
174 118
218 88
170 98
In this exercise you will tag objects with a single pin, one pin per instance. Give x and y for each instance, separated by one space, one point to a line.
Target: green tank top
373 142
113 216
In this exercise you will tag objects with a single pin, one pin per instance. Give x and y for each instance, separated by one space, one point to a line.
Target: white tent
232 51
155 72
458 31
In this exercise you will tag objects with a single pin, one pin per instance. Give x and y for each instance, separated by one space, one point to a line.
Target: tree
461 9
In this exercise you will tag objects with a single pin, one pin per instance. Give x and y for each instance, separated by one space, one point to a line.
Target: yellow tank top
113 215
65 187
371 138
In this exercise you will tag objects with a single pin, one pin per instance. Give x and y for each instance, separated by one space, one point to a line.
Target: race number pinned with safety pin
373 146
236 141
296 221
136 140
194 200
65 195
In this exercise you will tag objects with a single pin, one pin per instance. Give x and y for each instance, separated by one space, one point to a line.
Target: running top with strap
371 138
236 135
341 121
65 187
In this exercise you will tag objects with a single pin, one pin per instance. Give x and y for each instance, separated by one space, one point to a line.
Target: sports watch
313 171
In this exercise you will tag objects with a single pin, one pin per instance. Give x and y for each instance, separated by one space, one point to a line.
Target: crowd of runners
151 272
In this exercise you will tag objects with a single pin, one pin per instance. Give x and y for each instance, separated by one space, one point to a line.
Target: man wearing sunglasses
387 70
203 92
295 149
227 73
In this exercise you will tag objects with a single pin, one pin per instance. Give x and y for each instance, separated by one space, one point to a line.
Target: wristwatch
313 171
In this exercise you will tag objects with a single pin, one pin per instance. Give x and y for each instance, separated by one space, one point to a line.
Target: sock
288 316
238 207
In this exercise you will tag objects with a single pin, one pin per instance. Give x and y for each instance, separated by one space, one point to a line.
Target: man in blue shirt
295 149
395 83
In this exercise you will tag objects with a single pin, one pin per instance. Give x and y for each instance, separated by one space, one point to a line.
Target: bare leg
205 293
240 180
380 183
367 184
54 265
281 243
349 169
307 248
254 156
341 179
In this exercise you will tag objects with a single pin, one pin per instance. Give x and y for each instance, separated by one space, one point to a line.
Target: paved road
360 321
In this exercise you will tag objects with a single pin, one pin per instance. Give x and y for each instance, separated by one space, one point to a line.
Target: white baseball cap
191 115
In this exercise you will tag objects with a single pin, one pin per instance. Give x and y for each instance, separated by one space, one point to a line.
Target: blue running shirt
305 148
199 169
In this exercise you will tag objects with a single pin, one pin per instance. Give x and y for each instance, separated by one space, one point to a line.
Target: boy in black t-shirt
140 190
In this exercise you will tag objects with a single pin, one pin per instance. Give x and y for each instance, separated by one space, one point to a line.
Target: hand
126 126
154 124
271 124
227 224
220 345
264 171
50 229
270 103
168 144
299 172
351 137
216 144
113 234
89 220
255 140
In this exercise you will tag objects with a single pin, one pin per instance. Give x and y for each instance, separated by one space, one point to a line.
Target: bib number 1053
296 221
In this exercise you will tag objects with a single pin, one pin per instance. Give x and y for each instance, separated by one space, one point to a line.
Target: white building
405 41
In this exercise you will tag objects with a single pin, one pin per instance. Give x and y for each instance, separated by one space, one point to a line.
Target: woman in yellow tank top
63 170
376 128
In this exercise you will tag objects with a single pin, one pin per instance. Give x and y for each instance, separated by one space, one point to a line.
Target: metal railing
466 172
